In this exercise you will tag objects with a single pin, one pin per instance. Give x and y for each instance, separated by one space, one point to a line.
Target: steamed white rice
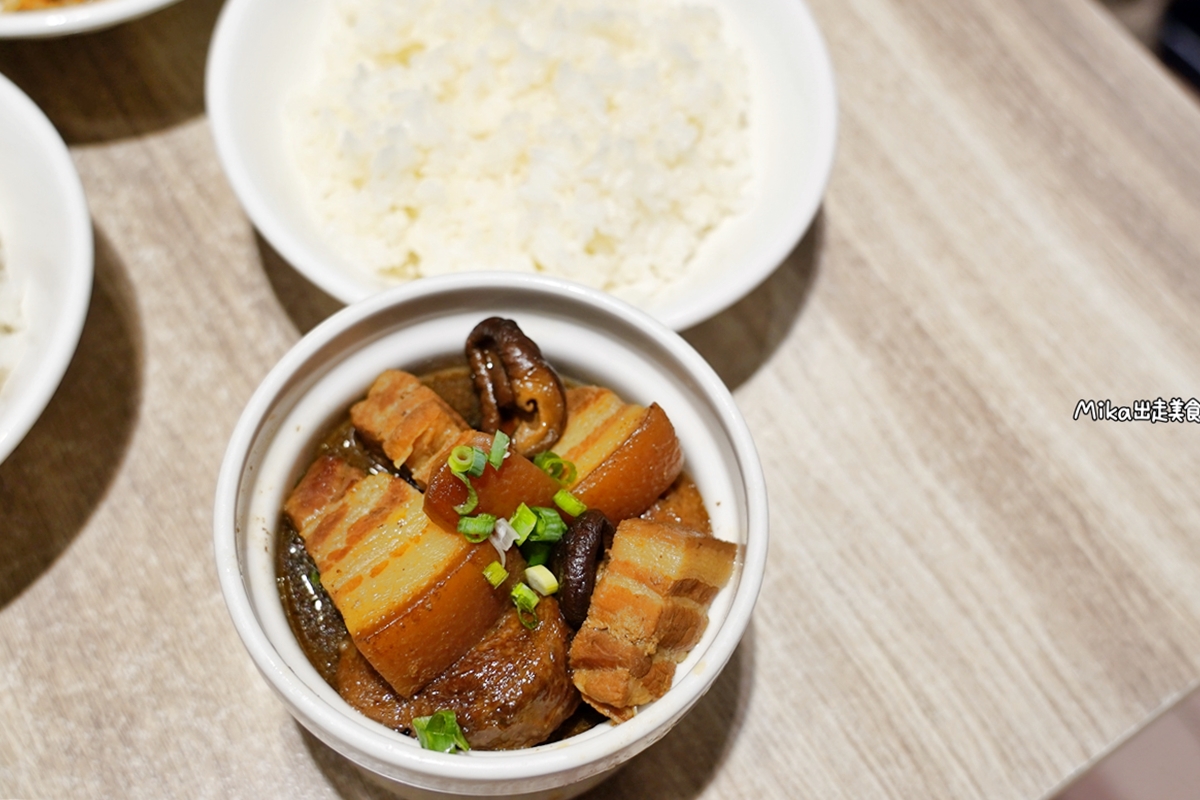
11 320
597 140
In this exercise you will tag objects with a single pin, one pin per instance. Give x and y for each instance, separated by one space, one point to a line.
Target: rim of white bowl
91 16
547 760
771 252
767 253
24 405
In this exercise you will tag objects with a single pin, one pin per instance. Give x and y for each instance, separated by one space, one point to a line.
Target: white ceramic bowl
262 49
79 18
585 334
46 237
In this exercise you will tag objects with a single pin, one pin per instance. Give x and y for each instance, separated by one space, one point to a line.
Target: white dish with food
45 20
583 333
266 55
45 263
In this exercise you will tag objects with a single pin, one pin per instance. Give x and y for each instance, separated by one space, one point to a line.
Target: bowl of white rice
668 152
45 263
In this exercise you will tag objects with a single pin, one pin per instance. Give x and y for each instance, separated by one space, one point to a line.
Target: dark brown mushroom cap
575 560
519 393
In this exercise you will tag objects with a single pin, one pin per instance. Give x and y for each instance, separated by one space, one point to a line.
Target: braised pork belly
416 530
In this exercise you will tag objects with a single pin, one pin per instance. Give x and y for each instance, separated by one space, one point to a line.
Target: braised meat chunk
683 505
510 690
412 594
625 455
407 420
649 608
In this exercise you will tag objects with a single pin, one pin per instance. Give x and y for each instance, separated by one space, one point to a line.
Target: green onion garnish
526 600
542 580
536 553
495 574
550 526
499 448
523 522
569 503
468 505
477 528
460 460
467 460
439 731
478 462
556 467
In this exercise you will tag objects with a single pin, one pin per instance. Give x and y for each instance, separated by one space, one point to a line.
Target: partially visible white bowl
79 18
585 334
46 236
262 49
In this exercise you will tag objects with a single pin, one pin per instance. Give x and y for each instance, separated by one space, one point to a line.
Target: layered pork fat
626 455
409 422
650 607
681 505
412 594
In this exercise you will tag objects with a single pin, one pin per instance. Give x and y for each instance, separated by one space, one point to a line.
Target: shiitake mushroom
575 561
519 393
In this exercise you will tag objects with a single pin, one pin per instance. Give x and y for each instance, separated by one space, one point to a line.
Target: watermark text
1154 411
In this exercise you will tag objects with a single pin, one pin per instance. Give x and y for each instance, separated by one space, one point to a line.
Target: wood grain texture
1141 17
970 593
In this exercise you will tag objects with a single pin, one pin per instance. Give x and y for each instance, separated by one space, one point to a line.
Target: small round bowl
46 238
263 49
585 334
80 18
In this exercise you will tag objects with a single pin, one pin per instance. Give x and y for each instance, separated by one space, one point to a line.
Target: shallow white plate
262 48
74 19
46 233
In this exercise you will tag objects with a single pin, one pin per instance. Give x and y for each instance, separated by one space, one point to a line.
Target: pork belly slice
407 420
649 608
625 455
510 690
683 505
326 480
412 594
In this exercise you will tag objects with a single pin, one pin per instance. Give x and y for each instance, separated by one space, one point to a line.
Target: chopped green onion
439 731
556 467
468 505
550 526
477 528
536 553
499 449
478 462
523 522
569 503
467 460
526 600
460 460
495 574
542 580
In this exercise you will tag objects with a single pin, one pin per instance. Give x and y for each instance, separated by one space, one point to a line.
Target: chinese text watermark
1158 410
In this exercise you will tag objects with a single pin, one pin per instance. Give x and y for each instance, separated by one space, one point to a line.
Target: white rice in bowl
11 319
596 140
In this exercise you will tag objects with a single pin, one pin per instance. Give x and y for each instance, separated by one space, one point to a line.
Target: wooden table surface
970 592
